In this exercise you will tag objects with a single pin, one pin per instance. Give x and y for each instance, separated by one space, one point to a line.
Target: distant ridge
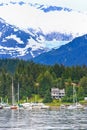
73 53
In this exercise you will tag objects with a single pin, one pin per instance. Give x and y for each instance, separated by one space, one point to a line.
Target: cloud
27 16
80 5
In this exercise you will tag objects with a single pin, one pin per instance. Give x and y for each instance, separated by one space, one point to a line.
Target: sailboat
13 106
75 104
20 106
1 106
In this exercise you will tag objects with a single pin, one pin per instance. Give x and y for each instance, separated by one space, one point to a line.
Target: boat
43 106
1 107
34 106
62 106
13 106
20 106
27 106
4 105
39 106
75 104
85 107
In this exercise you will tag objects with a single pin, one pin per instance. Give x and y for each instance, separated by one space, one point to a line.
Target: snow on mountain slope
18 43
44 26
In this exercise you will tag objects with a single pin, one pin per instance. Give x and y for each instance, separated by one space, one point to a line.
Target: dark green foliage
46 83
47 97
9 64
83 84
39 79
67 99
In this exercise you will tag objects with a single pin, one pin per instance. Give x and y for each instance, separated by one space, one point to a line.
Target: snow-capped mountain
30 28
18 43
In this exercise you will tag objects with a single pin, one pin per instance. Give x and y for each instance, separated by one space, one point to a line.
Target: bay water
43 119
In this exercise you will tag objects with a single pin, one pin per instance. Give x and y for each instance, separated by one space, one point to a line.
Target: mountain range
73 53
39 32
17 43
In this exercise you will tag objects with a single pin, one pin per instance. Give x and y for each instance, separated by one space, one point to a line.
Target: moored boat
43 106
75 104
14 107
39 106
34 106
5 106
27 106
62 106
1 107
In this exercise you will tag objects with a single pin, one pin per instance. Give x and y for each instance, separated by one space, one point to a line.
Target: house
57 93
85 98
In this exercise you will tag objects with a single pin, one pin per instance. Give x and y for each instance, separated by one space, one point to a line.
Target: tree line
38 79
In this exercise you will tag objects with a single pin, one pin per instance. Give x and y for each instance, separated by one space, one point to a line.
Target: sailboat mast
18 93
74 95
12 92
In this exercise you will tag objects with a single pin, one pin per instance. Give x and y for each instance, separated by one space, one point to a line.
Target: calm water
43 120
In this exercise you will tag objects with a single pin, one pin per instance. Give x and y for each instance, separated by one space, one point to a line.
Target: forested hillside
39 79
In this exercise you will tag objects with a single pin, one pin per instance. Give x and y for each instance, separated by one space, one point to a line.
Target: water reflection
43 120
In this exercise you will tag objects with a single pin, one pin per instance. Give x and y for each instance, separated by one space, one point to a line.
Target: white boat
62 106
27 106
5 106
39 106
85 107
75 104
43 106
34 106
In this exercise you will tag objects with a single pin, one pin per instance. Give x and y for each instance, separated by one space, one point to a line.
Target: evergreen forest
38 79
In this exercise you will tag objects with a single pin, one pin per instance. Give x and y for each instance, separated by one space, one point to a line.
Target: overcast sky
26 16
80 5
